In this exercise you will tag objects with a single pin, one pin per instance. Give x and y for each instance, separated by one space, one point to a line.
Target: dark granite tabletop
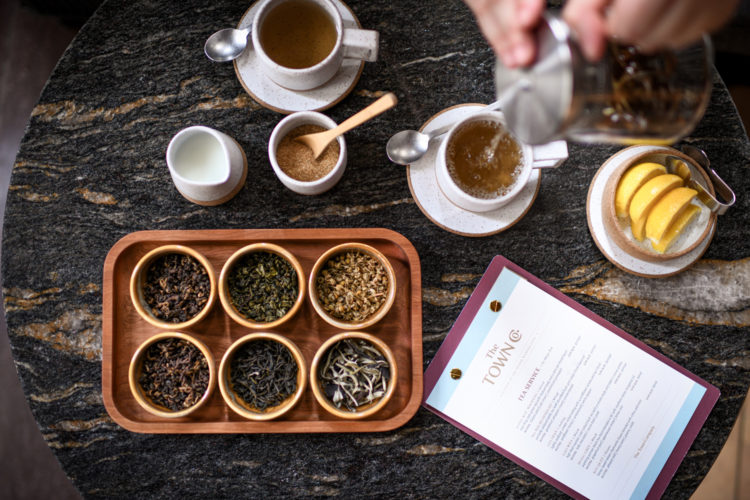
91 169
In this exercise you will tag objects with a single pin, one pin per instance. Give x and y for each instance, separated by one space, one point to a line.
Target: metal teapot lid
543 92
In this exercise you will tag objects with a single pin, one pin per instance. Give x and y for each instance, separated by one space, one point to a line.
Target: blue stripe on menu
476 333
668 443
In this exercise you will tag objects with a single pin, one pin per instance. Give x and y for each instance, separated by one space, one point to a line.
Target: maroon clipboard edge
454 337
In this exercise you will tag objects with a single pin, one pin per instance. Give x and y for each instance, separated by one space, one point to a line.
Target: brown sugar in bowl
618 228
135 370
243 408
225 296
364 410
319 266
138 277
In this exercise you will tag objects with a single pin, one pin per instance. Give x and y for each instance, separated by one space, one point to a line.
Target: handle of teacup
361 44
550 155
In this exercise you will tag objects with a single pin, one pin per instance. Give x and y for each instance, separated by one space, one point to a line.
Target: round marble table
91 169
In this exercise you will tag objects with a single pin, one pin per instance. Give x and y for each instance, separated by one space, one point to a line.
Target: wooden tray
123 330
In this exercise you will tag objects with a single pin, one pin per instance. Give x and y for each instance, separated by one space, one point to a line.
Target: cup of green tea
301 44
481 166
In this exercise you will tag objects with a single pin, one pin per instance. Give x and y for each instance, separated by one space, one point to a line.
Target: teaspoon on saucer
226 45
408 146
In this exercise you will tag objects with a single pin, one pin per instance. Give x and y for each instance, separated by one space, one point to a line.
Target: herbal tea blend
174 374
354 373
263 286
263 373
352 286
176 287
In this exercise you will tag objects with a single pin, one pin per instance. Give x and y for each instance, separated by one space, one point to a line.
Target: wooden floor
30 45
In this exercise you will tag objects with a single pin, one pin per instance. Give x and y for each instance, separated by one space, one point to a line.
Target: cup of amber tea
481 166
301 44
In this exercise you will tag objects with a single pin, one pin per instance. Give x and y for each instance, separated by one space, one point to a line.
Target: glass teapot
628 97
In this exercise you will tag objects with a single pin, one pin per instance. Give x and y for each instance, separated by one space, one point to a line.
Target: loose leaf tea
352 286
176 287
644 96
263 286
354 373
174 374
263 373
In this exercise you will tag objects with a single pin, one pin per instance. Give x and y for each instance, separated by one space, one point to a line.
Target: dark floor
30 45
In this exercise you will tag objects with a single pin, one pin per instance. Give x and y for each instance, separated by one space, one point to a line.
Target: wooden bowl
618 228
362 411
377 315
224 294
240 406
136 365
139 274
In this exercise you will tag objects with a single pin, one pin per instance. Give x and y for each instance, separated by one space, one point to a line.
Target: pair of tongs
674 164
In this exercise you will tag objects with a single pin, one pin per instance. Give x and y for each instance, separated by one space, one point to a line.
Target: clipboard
440 369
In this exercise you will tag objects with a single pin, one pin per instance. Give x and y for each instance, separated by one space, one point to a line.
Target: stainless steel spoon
408 146
226 45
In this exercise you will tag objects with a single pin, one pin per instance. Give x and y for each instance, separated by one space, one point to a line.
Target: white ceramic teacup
207 166
549 155
288 124
350 44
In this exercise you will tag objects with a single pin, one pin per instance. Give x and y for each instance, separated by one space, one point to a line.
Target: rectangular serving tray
123 330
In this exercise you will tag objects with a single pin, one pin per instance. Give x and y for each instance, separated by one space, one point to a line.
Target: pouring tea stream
408 146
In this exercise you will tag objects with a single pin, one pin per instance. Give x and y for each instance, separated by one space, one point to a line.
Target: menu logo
499 356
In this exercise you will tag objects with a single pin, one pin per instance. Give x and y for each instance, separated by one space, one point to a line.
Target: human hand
508 27
649 24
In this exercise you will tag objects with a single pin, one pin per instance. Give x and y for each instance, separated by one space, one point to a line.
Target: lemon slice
680 223
646 197
666 211
631 181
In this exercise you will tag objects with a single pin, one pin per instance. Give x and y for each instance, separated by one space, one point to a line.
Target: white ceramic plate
611 250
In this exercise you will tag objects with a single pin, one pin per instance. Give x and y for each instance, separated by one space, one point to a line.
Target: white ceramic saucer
433 203
618 256
272 96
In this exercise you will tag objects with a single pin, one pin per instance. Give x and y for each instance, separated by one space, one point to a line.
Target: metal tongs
674 164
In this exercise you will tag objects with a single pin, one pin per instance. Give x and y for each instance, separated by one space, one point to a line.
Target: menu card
562 392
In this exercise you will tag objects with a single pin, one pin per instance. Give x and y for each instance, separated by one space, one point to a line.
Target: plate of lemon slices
643 215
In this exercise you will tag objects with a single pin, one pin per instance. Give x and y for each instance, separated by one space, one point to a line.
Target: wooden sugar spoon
318 141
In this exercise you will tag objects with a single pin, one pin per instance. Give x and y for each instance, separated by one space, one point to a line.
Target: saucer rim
537 179
284 111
